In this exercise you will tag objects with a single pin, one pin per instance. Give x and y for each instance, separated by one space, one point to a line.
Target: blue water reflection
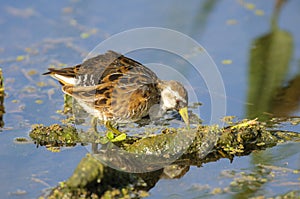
63 32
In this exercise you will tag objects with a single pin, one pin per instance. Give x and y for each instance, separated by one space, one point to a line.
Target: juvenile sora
117 89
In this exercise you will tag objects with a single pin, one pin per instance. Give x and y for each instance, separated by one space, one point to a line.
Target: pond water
259 66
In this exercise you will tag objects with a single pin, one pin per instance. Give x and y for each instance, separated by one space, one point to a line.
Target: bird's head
174 97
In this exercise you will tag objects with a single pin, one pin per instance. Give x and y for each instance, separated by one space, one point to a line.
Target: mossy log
92 179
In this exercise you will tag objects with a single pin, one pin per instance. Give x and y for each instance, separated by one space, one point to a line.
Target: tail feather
64 75
68 72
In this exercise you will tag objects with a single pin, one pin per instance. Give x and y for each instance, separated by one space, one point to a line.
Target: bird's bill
184 114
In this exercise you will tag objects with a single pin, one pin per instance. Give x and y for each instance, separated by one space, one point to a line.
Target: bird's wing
88 94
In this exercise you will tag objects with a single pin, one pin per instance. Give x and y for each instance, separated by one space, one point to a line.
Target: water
36 35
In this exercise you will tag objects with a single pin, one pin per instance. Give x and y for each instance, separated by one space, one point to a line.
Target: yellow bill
184 114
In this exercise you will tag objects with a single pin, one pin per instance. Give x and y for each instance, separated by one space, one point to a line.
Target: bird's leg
94 124
94 127
112 130
110 127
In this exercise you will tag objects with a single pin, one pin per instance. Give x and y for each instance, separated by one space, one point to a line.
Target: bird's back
118 87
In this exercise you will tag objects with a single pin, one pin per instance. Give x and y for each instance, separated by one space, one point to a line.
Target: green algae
92 179
54 135
21 140
239 139
88 170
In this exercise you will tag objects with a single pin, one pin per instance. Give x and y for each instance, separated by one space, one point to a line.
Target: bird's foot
113 134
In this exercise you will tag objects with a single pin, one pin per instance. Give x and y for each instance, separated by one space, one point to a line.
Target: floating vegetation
38 101
54 135
94 180
227 61
20 58
21 140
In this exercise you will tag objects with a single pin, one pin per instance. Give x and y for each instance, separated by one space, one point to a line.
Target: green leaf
110 135
119 138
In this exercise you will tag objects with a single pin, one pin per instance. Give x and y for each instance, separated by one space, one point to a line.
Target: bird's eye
178 103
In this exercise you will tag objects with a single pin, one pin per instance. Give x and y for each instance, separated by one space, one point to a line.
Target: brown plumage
113 87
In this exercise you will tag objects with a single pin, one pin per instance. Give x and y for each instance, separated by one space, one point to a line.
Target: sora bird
117 89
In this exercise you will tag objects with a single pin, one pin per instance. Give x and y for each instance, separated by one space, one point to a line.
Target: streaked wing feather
87 93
